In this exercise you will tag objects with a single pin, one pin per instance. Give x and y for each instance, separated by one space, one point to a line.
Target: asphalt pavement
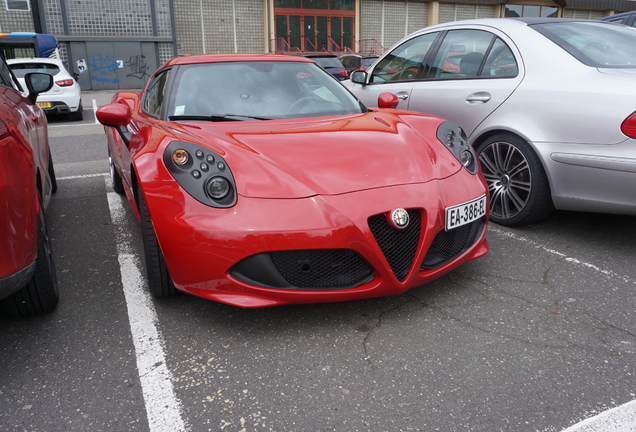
538 335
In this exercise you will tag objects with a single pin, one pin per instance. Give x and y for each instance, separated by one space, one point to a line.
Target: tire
41 294
517 183
159 282
118 184
79 114
51 171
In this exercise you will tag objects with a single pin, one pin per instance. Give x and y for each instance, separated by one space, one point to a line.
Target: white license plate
462 214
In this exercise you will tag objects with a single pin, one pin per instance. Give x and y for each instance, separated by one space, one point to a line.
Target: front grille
449 244
397 245
322 268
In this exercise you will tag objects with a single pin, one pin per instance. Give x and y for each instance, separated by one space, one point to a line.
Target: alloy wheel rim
509 179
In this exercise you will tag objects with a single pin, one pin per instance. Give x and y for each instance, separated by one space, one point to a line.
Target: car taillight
64 83
343 73
629 126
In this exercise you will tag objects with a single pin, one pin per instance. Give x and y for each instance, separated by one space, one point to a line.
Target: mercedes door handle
402 95
478 97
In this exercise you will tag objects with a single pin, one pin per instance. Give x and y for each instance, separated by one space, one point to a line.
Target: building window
17 5
531 11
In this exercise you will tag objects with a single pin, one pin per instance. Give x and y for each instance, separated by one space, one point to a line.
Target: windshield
594 43
259 90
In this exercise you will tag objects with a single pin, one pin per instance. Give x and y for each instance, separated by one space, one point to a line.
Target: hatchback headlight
204 174
455 140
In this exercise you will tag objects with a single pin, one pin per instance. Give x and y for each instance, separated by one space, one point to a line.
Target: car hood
329 156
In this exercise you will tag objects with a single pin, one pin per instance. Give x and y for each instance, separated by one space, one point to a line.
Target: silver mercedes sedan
549 104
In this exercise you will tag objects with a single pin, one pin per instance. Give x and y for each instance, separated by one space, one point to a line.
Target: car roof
36 60
219 58
504 24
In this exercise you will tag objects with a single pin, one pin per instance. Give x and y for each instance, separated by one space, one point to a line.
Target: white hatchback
64 97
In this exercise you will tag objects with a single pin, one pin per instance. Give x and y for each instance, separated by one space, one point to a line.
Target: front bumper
228 255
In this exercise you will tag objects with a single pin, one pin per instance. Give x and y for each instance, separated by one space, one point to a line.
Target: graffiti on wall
138 66
102 66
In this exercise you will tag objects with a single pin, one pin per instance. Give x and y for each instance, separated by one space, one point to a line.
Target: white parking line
163 409
83 176
607 273
95 110
619 419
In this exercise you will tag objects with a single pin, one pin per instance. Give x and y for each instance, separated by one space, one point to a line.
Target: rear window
328 62
21 69
593 43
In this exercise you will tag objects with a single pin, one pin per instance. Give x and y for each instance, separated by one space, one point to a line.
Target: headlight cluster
202 173
456 141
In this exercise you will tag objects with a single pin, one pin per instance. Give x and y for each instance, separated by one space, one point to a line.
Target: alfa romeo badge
399 218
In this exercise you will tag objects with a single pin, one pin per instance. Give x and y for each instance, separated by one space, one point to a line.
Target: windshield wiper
217 117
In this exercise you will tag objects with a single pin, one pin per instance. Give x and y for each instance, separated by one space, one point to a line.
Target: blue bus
27 45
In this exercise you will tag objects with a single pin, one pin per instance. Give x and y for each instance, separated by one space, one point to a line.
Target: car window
6 77
328 62
462 54
154 97
500 61
405 61
21 69
350 62
259 89
594 43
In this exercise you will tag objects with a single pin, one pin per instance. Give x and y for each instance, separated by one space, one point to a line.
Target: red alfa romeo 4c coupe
259 180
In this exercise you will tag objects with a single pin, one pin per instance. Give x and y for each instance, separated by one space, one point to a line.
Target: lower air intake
448 245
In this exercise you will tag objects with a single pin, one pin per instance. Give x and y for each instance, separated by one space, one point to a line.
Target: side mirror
37 83
388 100
116 115
359 77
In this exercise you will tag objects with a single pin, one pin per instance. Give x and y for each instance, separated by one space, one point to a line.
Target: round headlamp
466 158
217 187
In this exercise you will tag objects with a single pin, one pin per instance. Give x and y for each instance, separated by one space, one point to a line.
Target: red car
28 283
259 181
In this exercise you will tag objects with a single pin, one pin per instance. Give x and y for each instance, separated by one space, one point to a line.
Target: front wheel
118 184
41 294
517 183
159 282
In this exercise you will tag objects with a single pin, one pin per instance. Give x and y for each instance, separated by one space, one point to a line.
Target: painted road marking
163 409
607 273
619 419
83 176
95 110
162 406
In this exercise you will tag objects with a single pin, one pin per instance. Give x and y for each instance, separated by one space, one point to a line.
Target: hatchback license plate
463 214
44 104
